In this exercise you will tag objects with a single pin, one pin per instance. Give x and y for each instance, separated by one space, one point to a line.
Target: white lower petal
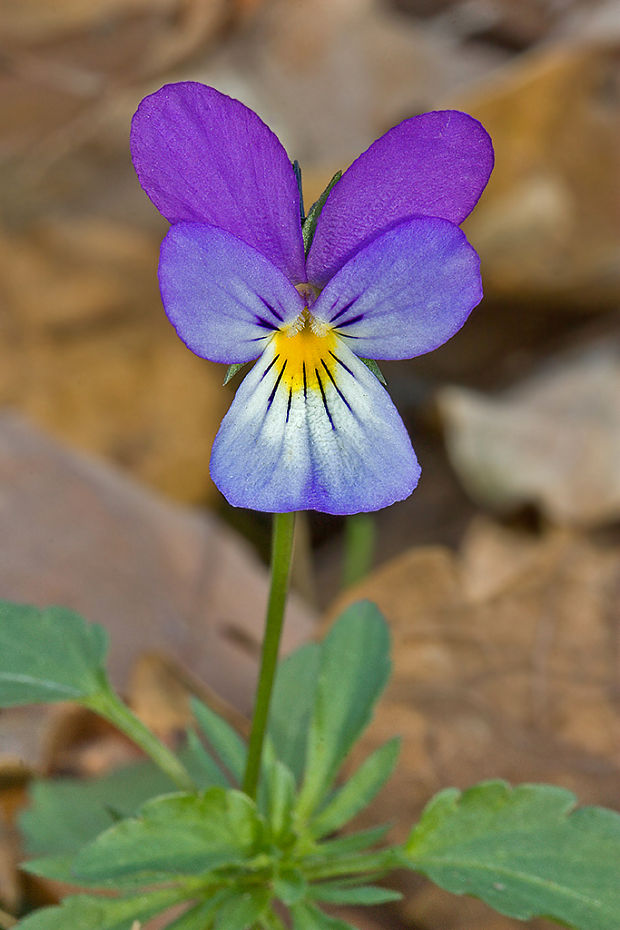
336 445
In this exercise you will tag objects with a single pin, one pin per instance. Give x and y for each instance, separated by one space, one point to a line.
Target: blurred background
501 574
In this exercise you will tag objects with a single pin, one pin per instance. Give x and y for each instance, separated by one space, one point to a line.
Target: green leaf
48 655
242 910
354 842
525 851
308 917
354 669
291 706
89 912
181 834
65 814
203 763
379 862
60 869
200 916
225 742
232 370
309 225
345 893
360 789
370 363
290 887
280 798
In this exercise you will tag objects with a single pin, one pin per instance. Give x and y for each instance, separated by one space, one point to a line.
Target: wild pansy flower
388 275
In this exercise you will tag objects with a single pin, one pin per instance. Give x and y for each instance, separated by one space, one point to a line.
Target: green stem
107 704
281 551
359 546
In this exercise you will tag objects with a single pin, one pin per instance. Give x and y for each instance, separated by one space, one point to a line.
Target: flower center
304 349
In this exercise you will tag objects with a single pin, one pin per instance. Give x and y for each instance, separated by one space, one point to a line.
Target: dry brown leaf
553 440
88 353
505 665
75 532
34 20
548 225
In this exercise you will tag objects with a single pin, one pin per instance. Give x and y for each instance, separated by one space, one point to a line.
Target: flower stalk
281 553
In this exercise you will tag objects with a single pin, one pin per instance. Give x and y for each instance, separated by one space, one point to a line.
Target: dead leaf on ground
159 578
88 353
552 440
505 666
548 225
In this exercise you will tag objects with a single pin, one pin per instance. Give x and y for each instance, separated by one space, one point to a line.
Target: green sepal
526 851
372 365
232 370
297 172
49 655
309 224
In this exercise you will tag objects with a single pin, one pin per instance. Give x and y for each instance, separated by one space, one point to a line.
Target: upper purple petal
436 164
204 157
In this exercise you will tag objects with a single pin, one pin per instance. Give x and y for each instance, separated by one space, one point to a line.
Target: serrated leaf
344 893
525 851
181 834
308 917
242 910
225 742
374 367
291 706
65 814
89 912
354 669
48 655
359 790
60 869
309 224
232 370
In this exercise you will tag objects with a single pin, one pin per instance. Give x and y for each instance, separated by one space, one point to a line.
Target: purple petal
436 164
405 293
331 441
204 157
224 298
